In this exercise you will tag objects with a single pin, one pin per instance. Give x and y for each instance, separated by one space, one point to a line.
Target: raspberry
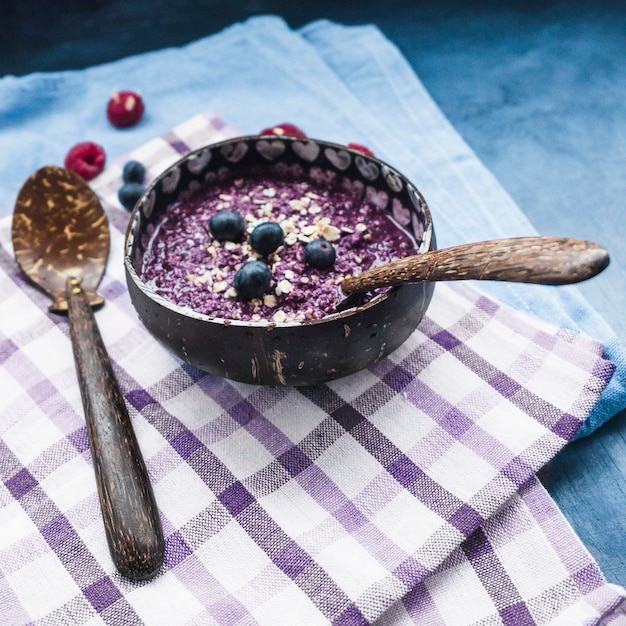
125 109
86 159
284 129
360 148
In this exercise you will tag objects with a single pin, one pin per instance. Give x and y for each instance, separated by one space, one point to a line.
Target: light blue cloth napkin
337 83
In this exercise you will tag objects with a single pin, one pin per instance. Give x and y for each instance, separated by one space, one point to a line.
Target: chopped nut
270 192
204 279
279 316
269 300
288 226
220 286
360 227
284 286
297 205
330 233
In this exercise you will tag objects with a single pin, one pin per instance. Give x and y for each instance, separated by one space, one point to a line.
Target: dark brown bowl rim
265 324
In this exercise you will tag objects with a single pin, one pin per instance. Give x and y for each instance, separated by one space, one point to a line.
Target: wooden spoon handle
131 520
538 260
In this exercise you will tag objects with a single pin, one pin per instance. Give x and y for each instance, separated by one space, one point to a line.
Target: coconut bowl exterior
281 353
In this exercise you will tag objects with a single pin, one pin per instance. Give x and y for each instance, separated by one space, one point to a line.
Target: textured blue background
539 93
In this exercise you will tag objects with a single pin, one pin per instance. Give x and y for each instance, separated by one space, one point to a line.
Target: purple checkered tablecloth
404 494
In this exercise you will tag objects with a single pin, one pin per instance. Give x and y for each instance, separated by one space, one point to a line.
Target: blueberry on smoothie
320 254
227 226
252 280
266 238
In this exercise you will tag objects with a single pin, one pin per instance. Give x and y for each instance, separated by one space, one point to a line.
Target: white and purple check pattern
403 494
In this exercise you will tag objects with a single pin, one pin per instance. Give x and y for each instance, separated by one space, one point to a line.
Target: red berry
86 159
360 148
125 109
288 130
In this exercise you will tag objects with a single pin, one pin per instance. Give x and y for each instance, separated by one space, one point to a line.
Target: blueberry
227 226
133 172
129 193
320 254
266 237
252 280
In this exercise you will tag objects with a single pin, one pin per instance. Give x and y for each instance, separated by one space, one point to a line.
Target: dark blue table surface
538 92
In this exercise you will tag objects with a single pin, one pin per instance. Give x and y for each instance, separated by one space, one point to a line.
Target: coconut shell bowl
290 352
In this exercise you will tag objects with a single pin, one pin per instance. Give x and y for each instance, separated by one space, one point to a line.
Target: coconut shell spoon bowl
61 242
533 260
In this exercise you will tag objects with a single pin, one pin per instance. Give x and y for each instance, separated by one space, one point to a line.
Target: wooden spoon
61 242
538 260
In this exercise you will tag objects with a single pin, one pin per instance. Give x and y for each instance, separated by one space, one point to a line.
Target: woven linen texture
404 493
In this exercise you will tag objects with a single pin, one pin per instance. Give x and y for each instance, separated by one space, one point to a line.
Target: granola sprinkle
186 265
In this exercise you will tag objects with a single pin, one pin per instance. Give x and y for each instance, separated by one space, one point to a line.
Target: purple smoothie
187 265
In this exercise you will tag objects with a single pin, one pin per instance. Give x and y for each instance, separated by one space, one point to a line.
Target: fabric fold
458 186
487 580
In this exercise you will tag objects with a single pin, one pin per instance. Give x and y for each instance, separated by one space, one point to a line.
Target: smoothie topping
253 250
